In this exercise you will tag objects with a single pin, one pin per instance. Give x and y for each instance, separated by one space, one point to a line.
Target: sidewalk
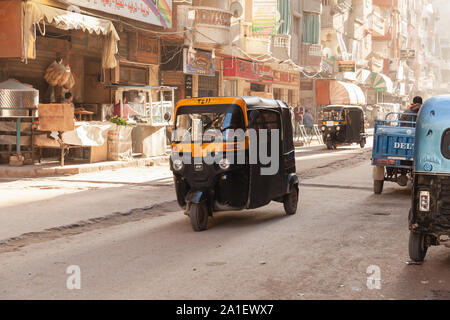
54 169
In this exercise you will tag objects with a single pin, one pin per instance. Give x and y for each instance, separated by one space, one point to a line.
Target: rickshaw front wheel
198 213
290 201
417 246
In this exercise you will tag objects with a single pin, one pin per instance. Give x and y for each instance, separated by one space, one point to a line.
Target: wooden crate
56 117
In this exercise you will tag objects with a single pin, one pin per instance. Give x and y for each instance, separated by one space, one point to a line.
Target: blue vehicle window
445 145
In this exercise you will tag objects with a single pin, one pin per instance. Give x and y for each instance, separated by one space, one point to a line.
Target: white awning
36 13
346 93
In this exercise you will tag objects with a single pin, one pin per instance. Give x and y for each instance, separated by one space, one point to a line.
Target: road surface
125 233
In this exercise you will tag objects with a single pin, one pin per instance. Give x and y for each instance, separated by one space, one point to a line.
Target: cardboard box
56 117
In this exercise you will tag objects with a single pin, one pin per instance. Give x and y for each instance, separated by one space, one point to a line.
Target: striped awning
381 83
346 93
36 14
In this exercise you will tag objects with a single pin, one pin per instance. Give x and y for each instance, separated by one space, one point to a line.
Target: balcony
311 55
377 25
281 46
257 45
213 25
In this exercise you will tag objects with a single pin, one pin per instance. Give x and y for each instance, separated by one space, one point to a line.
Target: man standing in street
298 120
308 121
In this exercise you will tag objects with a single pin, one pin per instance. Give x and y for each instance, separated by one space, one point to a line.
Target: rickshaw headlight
324 128
338 128
424 201
178 164
224 164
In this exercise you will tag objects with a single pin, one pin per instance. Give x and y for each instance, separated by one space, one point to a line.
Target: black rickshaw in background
429 217
342 124
231 184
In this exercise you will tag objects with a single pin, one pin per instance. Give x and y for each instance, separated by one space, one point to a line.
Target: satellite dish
236 9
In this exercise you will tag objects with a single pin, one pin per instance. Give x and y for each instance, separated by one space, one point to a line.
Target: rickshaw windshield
333 115
209 123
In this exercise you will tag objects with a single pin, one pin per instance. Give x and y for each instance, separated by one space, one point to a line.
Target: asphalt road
147 249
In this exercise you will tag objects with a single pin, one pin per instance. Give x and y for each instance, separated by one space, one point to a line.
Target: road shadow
427 281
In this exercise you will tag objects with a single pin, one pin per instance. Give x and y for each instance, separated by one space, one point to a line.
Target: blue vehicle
393 151
429 217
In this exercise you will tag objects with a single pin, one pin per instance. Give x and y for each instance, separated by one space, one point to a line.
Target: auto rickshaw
238 178
343 124
429 217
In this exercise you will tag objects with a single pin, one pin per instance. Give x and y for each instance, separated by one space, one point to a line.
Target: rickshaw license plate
330 123
198 167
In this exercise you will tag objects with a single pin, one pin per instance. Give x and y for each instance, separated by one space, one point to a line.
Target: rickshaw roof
342 106
251 103
434 118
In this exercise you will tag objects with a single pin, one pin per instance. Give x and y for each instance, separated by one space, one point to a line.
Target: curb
39 171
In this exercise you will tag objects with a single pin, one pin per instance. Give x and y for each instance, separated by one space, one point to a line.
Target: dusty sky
444 24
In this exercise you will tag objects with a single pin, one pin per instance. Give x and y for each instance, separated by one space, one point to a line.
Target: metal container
17 99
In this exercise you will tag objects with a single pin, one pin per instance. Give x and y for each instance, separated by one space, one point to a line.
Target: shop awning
36 14
381 83
346 93
363 75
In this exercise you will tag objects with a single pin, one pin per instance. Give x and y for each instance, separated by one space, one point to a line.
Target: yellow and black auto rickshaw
343 124
231 154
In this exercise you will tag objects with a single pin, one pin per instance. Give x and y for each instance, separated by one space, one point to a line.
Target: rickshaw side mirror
254 114
167 116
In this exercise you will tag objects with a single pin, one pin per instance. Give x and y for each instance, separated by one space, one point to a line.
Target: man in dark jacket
410 115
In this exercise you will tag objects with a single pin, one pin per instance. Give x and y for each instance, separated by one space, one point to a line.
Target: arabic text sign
157 12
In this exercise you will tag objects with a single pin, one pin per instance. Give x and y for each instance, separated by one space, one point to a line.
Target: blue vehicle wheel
378 186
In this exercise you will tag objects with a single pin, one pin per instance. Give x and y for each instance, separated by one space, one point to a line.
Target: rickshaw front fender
292 180
378 173
196 197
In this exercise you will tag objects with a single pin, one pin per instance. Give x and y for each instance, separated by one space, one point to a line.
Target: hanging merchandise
58 74
54 73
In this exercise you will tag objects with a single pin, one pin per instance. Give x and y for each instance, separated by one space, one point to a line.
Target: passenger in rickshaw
410 115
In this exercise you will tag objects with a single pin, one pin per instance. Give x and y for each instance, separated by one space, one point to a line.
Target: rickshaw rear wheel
417 246
290 201
378 186
330 145
198 213
362 144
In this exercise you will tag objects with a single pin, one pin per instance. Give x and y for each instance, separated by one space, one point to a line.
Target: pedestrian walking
308 122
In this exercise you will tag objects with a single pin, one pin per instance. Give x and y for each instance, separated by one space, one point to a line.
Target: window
311 28
133 75
267 120
445 144
277 93
208 86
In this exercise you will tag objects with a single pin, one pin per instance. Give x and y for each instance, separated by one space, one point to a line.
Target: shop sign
347 66
265 74
188 86
284 77
407 54
157 12
241 69
198 62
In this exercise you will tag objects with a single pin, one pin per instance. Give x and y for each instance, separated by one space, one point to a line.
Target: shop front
72 59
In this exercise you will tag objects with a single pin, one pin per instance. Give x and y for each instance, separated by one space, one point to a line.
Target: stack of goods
60 75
